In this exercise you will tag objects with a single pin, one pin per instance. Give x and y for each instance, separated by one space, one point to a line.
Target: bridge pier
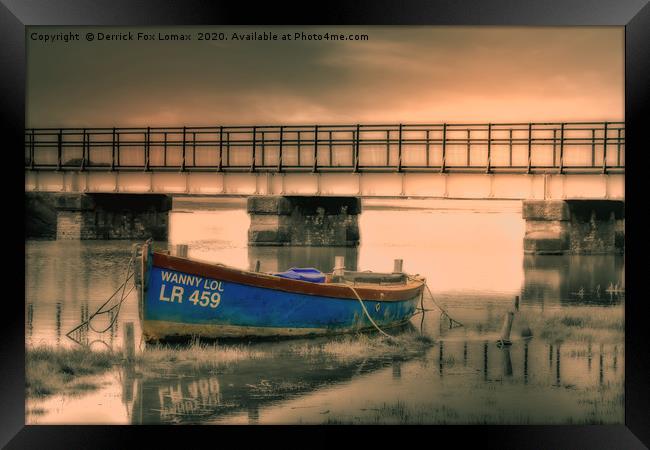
574 226
64 216
304 221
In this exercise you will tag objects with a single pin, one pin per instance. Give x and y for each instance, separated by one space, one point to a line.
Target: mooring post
506 329
180 250
339 266
397 266
129 342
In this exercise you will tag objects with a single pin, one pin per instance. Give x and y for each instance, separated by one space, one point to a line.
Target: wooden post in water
397 266
505 330
129 342
180 250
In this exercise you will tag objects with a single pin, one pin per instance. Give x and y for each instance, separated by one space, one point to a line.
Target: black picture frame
15 15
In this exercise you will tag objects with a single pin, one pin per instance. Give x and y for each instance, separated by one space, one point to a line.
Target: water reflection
278 259
577 279
247 387
288 382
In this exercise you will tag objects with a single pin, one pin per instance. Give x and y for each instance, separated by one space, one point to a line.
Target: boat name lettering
171 277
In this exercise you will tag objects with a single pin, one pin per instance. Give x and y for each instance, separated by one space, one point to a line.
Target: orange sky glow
400 74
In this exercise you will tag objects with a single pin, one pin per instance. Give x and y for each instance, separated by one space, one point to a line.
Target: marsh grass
604 325
571 324
198 356
50 371
359 346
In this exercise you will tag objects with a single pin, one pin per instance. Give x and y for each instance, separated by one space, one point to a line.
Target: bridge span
551 162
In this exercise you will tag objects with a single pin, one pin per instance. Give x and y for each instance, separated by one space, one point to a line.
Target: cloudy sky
400 74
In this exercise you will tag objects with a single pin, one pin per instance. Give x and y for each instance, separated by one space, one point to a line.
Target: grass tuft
50 371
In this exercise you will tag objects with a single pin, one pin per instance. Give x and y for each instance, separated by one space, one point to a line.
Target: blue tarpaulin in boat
303 274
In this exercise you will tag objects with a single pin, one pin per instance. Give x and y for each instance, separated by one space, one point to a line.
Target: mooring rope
118 305
443 310
368 314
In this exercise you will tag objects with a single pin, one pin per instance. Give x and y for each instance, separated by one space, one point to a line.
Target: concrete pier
97 216
304 221
574 226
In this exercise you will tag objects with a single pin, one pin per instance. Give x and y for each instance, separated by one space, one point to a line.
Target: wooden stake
506 329
129 342
180 250
339 265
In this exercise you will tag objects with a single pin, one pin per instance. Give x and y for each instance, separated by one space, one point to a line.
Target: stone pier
574 226
304 221
97 216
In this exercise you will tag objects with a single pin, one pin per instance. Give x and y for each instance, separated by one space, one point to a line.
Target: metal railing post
562 147
489 147
315 169
220 167
113 150
59 149
356 148
330 148
194 149
183 155
605 149
31 151
253 150
83 151
399 149
530 146
263 155
165 149
554 146
280 149
146 149
593 147
618 148
469 148
444 149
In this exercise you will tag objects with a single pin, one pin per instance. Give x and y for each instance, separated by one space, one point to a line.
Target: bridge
526 161
436 160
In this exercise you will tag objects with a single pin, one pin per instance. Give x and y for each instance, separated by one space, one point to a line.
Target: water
570 371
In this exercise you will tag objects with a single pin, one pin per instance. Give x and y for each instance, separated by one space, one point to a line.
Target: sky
399 75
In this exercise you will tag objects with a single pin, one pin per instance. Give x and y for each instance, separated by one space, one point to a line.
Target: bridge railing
576 147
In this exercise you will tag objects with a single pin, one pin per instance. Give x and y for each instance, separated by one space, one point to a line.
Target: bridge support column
97 216
304 221
574 226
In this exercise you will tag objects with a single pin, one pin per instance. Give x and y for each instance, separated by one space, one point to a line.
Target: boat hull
191 303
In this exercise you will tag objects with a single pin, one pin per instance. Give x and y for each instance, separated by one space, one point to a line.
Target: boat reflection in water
459 375
203 396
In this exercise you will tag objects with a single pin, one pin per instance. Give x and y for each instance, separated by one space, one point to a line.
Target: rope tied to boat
116 307
365 310
453 323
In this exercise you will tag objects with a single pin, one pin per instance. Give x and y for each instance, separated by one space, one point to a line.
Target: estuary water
471 252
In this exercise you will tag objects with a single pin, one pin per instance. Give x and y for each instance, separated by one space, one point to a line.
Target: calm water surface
472 256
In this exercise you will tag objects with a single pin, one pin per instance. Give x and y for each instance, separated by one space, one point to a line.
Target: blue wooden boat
180 297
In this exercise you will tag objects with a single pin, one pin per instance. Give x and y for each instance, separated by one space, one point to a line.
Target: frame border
15 15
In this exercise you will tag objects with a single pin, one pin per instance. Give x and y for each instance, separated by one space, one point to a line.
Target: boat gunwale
367 291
